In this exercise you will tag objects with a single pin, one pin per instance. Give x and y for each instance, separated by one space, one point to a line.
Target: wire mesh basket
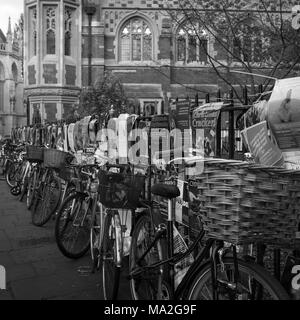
34 153
67 172
120 191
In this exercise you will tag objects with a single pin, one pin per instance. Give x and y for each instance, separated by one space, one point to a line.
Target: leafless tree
257 39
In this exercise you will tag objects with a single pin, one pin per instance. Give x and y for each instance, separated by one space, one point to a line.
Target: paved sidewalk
35 268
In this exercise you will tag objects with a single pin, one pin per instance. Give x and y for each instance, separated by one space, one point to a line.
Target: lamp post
90 9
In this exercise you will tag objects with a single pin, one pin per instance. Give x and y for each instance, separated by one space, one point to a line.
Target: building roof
2 37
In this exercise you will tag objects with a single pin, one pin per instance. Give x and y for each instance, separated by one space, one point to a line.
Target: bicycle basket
34 153
54 158
67 172
120 191
240 202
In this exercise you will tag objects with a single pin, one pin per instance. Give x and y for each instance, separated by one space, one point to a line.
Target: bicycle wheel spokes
72 228
47 201
11 174
96 234
254 283
145 282
110 268
31 188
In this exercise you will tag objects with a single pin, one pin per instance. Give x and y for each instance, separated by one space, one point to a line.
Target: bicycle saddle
165 190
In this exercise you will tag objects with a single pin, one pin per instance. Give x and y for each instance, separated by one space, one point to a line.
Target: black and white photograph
150 152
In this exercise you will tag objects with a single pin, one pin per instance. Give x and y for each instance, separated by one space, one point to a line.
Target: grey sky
12 8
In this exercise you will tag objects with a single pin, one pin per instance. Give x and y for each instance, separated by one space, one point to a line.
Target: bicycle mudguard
194 269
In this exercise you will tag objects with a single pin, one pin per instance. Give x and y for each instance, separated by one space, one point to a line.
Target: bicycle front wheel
46 202
12 173
72 227
147 284
96 235
255 283
32 181
111 269
25 182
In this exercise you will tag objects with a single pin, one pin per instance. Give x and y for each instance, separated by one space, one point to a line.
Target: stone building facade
12 110
134 39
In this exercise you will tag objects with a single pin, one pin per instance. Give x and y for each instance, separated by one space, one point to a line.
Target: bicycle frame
211 249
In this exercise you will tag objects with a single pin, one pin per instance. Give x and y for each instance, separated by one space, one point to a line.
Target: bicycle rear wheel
46 200
96 236
72 227
25 182
2 165
148 284
32 181
111 269
255 283
12 173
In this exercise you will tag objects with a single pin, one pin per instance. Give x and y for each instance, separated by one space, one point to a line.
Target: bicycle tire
10 173
96 237
31 188
2 163
47 201
24 188
252 272
63 219
110 271
5 166
148 285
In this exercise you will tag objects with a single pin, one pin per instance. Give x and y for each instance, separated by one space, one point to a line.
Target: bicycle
13 165
48 191
77 215
5 158
46 197
215 273
119 189
34 177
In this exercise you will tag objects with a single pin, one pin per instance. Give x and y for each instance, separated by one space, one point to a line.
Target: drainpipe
90 10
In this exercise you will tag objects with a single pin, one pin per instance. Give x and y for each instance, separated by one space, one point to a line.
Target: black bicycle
208 269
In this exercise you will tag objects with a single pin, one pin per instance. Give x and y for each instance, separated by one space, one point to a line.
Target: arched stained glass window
191 43
68 31
14 71
34 33
50 31
2 79
34 43
248 42
136 41
50 42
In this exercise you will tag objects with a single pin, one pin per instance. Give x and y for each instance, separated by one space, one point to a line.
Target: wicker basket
54 158
120 191
241 202
34 153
